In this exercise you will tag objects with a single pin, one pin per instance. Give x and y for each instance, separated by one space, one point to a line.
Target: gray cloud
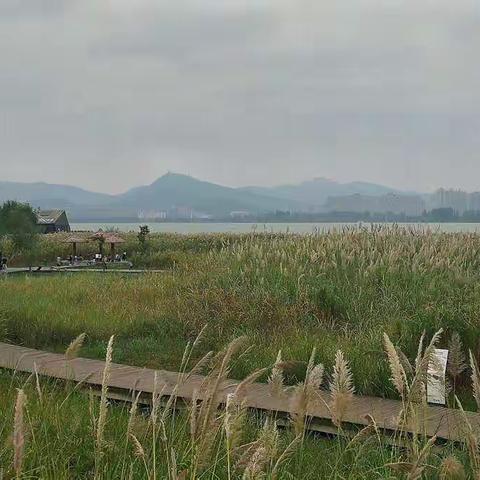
24 9
112 94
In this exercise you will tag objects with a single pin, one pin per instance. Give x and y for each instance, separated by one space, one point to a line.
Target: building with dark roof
52 221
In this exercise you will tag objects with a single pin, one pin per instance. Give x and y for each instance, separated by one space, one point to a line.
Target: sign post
436 392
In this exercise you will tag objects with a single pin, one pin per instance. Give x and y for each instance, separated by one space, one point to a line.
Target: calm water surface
186 228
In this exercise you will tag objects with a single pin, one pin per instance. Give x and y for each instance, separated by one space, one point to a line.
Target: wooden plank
52 270
109 270
446 423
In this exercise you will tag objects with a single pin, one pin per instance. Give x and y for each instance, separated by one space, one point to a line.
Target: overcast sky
109 94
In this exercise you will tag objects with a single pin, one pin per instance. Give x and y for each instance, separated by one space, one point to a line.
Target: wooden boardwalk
53 270
445 423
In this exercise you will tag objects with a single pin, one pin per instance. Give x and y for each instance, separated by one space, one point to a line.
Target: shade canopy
112 238
75 239
98 235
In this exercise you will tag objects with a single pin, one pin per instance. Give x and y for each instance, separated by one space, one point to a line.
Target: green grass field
284 292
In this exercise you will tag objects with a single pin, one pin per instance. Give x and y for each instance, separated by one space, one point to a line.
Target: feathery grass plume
193 413
284 456
457 362
185 357
475 379
139 451
19 433
398 375
254 468
364 433
419 356
77 387
234 419
155 401
197 368
75 346
102 414
314 380
170 402
236 409
421 461
206 421
270 438
311 363
262 451
214 381
91 409
37 383
242 387
199 337
452 469
414 469
407 366
173 469
276 380
471 440
132 415
341 389
302 395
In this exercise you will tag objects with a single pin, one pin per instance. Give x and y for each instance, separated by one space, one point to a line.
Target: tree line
18 230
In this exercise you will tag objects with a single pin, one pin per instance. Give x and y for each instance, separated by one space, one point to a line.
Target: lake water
189 227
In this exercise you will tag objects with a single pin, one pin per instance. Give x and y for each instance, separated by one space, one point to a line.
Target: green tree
18 223
142 237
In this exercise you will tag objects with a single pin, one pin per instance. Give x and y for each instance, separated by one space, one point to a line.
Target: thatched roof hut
105 237
74 240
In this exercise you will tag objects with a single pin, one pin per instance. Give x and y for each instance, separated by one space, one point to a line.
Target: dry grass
219 440
295 294
19 433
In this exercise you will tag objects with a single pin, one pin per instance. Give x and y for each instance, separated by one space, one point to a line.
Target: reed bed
55 430
287 292
356 291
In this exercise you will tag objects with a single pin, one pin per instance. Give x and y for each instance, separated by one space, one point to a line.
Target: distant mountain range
314 193
184 195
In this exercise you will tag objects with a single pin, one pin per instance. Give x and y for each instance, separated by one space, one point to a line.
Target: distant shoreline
268 227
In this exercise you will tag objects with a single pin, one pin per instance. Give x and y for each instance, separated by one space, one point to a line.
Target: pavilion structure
75 240
101 237
113 240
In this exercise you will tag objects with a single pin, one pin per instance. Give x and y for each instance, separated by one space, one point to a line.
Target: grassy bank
159 250
285 292
51 429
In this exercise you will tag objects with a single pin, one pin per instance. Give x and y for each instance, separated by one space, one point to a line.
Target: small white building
239 214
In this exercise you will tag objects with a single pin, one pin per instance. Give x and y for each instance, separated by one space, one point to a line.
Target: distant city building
154 215
458 200
412 205
51 221
181 213
455 199
474 202
239 214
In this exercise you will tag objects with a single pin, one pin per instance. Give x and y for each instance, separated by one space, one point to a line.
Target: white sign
436 392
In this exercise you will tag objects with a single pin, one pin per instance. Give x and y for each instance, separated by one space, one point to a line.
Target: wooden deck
446 423
53 270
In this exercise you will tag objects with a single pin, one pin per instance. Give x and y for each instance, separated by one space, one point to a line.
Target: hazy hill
175 190
47 195
181 190
314 193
